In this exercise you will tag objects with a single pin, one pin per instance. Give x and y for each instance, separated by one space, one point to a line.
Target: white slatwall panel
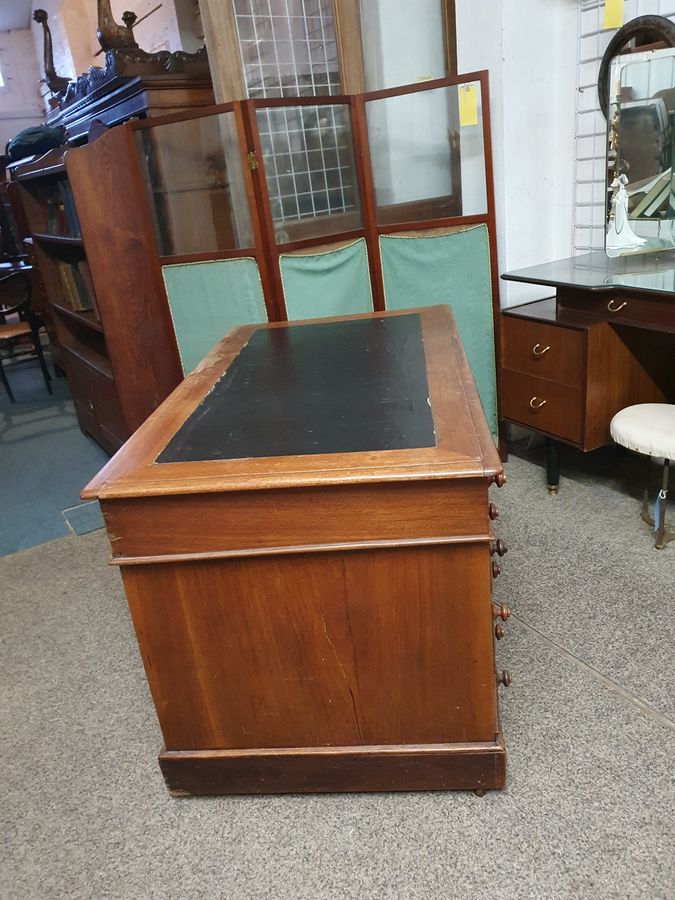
589 206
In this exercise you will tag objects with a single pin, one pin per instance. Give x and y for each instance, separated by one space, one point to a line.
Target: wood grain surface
464 447
478 766
334 649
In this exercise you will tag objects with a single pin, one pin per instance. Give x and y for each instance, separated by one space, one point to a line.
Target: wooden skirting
477 766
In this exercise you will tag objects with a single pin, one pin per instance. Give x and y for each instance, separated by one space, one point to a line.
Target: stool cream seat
649 428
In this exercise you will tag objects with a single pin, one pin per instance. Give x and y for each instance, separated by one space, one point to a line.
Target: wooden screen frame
487 218
371 230
275 250
266 251
259 248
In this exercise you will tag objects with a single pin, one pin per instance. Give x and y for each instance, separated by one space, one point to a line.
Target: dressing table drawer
543 405
545 351
622 309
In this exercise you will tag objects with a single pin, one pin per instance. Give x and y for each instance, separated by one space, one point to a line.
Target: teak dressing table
306 544
604 342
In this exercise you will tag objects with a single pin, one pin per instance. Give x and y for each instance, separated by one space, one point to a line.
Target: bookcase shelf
80 347
85 317
89 356
105 334
58 239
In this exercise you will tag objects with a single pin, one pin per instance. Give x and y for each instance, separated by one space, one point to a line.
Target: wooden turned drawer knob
493 511
538 351
500 479
498 547
537 402
504 678
499 631
501 612
615 306
496 569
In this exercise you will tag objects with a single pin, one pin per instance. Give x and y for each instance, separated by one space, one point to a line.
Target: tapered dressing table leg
552 466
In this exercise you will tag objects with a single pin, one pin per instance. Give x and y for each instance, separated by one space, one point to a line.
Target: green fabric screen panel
449 268
208 299
327 283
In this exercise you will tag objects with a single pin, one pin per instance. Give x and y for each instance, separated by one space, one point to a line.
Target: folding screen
305 207
329 282
209 244
449 266
312 195
208 299
433 210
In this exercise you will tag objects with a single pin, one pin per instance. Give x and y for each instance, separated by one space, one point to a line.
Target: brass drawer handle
616 308
536 405
537 352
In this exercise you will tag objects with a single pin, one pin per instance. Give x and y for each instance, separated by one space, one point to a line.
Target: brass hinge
252 160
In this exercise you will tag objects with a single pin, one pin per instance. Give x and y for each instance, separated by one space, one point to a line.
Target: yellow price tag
468 106
613 14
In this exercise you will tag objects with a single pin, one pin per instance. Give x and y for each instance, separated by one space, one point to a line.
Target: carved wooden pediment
123 58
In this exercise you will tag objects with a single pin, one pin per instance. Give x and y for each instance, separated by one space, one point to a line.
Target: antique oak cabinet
305 539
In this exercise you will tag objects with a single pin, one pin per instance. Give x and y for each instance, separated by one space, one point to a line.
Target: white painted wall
530 51
403 41
20 103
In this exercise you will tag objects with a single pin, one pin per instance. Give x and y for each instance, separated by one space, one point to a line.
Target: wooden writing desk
606 341
305 540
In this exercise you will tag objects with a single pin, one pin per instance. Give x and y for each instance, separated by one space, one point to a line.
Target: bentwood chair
19 337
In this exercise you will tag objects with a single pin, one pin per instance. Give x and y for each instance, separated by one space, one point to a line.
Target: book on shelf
75 288
62 217
71 221
85 275
56 221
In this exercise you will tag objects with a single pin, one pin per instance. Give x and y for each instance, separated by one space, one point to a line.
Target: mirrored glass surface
641 198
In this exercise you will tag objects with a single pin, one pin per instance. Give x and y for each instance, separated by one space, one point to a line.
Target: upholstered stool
649 428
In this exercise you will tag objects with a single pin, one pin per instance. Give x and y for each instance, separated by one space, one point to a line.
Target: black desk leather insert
332 387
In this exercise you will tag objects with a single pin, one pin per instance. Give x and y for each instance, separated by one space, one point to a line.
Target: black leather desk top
332 387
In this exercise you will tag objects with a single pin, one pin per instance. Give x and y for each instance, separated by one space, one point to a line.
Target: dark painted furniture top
596 271
332 387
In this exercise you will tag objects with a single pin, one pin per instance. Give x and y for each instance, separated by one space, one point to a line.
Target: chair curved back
15 295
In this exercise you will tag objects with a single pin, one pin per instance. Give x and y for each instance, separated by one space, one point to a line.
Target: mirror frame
651 29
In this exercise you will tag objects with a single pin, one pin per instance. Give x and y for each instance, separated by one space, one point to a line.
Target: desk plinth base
435 767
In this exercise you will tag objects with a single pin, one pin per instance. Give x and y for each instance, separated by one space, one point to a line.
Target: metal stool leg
663 499
3 378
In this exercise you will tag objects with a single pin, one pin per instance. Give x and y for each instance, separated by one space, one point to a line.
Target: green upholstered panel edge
207 299
329 282
452 268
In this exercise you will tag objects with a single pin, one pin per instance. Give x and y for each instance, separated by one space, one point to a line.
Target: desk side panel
360 648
